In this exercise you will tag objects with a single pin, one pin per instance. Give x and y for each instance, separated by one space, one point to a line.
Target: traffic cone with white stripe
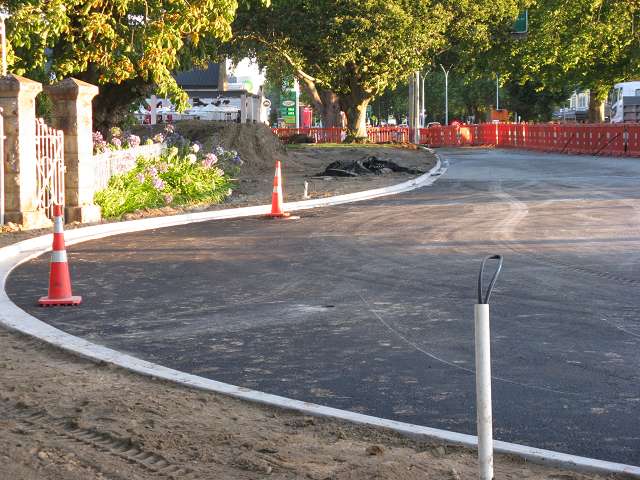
276 204
59 281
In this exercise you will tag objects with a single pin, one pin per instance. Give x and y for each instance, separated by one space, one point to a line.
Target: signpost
521 26
288 108
522 22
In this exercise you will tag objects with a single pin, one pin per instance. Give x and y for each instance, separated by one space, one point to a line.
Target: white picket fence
114 162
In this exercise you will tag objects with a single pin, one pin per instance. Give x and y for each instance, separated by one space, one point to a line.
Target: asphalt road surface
369 306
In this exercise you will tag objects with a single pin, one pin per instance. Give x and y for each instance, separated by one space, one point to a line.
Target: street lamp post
424 77
446 94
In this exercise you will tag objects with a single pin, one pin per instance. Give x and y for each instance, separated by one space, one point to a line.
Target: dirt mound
256 144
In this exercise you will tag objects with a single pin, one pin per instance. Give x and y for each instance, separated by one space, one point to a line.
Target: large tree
127 47
350 51
591 44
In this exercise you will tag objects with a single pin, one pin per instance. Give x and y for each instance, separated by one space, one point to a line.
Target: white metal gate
50 167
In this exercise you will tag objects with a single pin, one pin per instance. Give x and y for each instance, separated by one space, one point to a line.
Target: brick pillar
71 112
18 101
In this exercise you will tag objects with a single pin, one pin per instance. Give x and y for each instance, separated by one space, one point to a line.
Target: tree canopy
588 44
350 51
127 47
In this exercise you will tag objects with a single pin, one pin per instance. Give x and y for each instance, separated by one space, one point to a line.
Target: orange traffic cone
59 282
276 204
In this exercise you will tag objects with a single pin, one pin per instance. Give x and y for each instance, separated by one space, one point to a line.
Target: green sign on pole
288 109
522 22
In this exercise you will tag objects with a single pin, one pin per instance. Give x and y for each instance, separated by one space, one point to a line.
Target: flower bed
183 174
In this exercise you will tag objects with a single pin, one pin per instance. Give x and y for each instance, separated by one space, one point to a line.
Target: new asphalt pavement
368 306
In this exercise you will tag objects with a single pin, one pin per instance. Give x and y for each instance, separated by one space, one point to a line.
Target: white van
625 102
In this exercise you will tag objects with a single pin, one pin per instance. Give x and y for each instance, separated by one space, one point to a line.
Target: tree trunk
596 108
331 113
489 108
356 113
327 105
112 104
354 106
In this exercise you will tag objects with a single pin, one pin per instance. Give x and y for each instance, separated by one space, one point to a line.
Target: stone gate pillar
18 100
71 112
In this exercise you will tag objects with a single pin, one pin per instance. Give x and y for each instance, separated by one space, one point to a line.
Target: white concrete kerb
17 319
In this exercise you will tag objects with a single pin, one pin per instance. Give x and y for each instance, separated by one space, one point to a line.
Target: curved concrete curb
105 230
17 319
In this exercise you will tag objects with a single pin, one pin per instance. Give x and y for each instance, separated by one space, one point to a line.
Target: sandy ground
62 417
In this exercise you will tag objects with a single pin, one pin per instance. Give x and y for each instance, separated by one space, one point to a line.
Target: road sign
522 22
288 109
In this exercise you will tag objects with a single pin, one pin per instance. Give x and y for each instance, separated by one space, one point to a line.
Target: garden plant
185 175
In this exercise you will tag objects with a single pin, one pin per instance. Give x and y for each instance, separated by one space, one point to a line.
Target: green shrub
184 176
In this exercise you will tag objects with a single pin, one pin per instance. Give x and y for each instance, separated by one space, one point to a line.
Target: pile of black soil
370 164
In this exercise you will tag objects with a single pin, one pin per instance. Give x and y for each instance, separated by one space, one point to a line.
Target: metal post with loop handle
483 374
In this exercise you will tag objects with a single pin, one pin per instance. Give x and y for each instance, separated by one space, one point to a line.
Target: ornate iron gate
50 167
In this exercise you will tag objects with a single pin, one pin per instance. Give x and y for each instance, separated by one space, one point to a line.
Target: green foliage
358 48
591 44
130 46
184 175
471 96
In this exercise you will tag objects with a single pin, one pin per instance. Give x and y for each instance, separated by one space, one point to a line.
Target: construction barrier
613 141
388 134
571 138
633 140
320 135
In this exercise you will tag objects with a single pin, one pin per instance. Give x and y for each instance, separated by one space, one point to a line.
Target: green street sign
288 109
522 22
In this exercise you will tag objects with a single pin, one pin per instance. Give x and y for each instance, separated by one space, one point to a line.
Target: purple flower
140 177
209 159
152 171
169 129
116 142
158 183
168 198
176 139
99 145
133 140
158 138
